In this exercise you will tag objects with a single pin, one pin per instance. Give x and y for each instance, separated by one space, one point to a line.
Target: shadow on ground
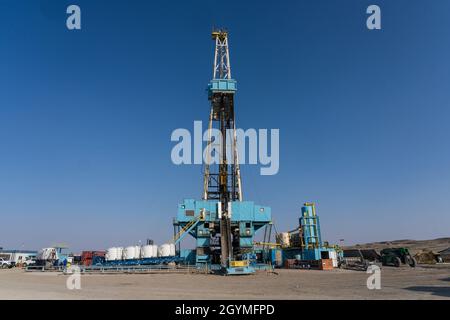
435 291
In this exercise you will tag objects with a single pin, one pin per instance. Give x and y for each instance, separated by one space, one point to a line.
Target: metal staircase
188 227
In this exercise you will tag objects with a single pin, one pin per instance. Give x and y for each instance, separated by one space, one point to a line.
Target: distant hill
414 246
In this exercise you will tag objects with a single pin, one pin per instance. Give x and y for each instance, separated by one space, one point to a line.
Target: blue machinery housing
222 85
248 216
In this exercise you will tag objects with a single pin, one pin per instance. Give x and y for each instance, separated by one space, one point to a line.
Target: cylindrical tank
164 250
172 249
309 221
147 251
111 254
283 239
155 251
129 253
137 252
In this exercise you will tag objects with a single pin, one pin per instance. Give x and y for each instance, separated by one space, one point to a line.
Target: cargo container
88 256
326 264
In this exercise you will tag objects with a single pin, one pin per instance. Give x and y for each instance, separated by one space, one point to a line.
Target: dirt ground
403 283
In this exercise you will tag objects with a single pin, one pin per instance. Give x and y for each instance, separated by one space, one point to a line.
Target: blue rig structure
222 224
201 219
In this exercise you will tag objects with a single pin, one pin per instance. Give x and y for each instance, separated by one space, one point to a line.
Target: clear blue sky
86 116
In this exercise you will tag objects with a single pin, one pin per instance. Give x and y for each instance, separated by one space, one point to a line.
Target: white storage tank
147 251
164 250
115 254
155 251
129 252
172 249
137 252
111 254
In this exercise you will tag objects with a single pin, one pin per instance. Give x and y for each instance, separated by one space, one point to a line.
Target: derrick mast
222 181
222 224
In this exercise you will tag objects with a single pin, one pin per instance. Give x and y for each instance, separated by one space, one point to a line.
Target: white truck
5 264
29 261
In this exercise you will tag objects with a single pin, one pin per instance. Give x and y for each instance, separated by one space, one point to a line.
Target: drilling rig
222 223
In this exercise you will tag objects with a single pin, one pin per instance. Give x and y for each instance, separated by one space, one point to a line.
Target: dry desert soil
432 282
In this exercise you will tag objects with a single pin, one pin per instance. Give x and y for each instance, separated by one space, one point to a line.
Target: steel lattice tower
222 224
222 181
